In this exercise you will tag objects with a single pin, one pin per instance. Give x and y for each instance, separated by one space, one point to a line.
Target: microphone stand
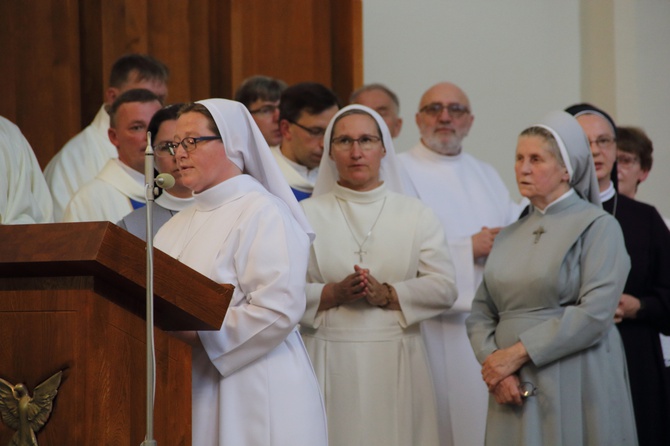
151 373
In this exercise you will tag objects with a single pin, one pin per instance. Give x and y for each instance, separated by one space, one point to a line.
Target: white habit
253 384
108 196
466 194
79 161
24 195
370 361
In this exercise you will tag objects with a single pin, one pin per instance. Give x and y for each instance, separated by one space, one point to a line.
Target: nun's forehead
356 112
599 117
595 121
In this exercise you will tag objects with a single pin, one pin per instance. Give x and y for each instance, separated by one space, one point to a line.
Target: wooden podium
72 298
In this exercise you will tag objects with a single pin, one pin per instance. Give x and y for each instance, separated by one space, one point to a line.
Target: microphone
165 181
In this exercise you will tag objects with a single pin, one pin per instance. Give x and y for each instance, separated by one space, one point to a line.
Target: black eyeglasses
189 144
435 109
265 110
315 132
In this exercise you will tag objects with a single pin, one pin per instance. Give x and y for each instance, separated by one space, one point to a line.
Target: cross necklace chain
360 251
187 239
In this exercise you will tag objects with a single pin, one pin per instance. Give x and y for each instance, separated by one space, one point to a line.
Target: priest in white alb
119 187
304 112
24 196
85 154
472 202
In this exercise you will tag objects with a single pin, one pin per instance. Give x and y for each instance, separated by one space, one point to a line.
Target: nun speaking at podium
253 383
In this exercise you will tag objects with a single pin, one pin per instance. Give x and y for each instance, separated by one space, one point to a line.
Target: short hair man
472 202
118 188
172 200
83 156
305 109
634 158
260 95
382 100
24 195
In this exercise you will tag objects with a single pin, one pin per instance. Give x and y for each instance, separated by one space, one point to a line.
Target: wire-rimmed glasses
603 142
435 109
345 143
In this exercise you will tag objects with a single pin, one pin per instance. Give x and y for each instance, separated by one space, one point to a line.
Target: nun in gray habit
542 321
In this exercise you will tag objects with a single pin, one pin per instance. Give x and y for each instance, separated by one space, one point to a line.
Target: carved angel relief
26 414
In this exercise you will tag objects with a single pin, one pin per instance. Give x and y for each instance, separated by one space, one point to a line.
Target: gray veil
576 153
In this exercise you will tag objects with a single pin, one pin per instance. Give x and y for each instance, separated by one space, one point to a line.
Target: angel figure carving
26 414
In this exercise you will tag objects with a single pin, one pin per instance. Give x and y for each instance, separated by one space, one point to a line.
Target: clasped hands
498 372
359 285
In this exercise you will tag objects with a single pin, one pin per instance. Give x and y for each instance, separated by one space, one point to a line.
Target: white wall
517 60
642 60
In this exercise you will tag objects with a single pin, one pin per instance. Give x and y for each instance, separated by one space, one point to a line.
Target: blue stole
300 195
137 204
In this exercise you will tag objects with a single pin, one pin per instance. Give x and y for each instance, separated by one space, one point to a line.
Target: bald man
472 202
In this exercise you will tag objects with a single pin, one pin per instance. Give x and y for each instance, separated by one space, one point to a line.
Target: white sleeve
270 261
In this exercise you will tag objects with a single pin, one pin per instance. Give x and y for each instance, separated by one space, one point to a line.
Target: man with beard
472 202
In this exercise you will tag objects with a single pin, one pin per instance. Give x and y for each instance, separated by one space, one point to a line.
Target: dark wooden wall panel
39 79
347 46
170 30
220 48
288 39
57 54
197 59
9 38
92 72
169 40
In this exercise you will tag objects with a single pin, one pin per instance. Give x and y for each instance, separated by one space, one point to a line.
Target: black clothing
648 244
